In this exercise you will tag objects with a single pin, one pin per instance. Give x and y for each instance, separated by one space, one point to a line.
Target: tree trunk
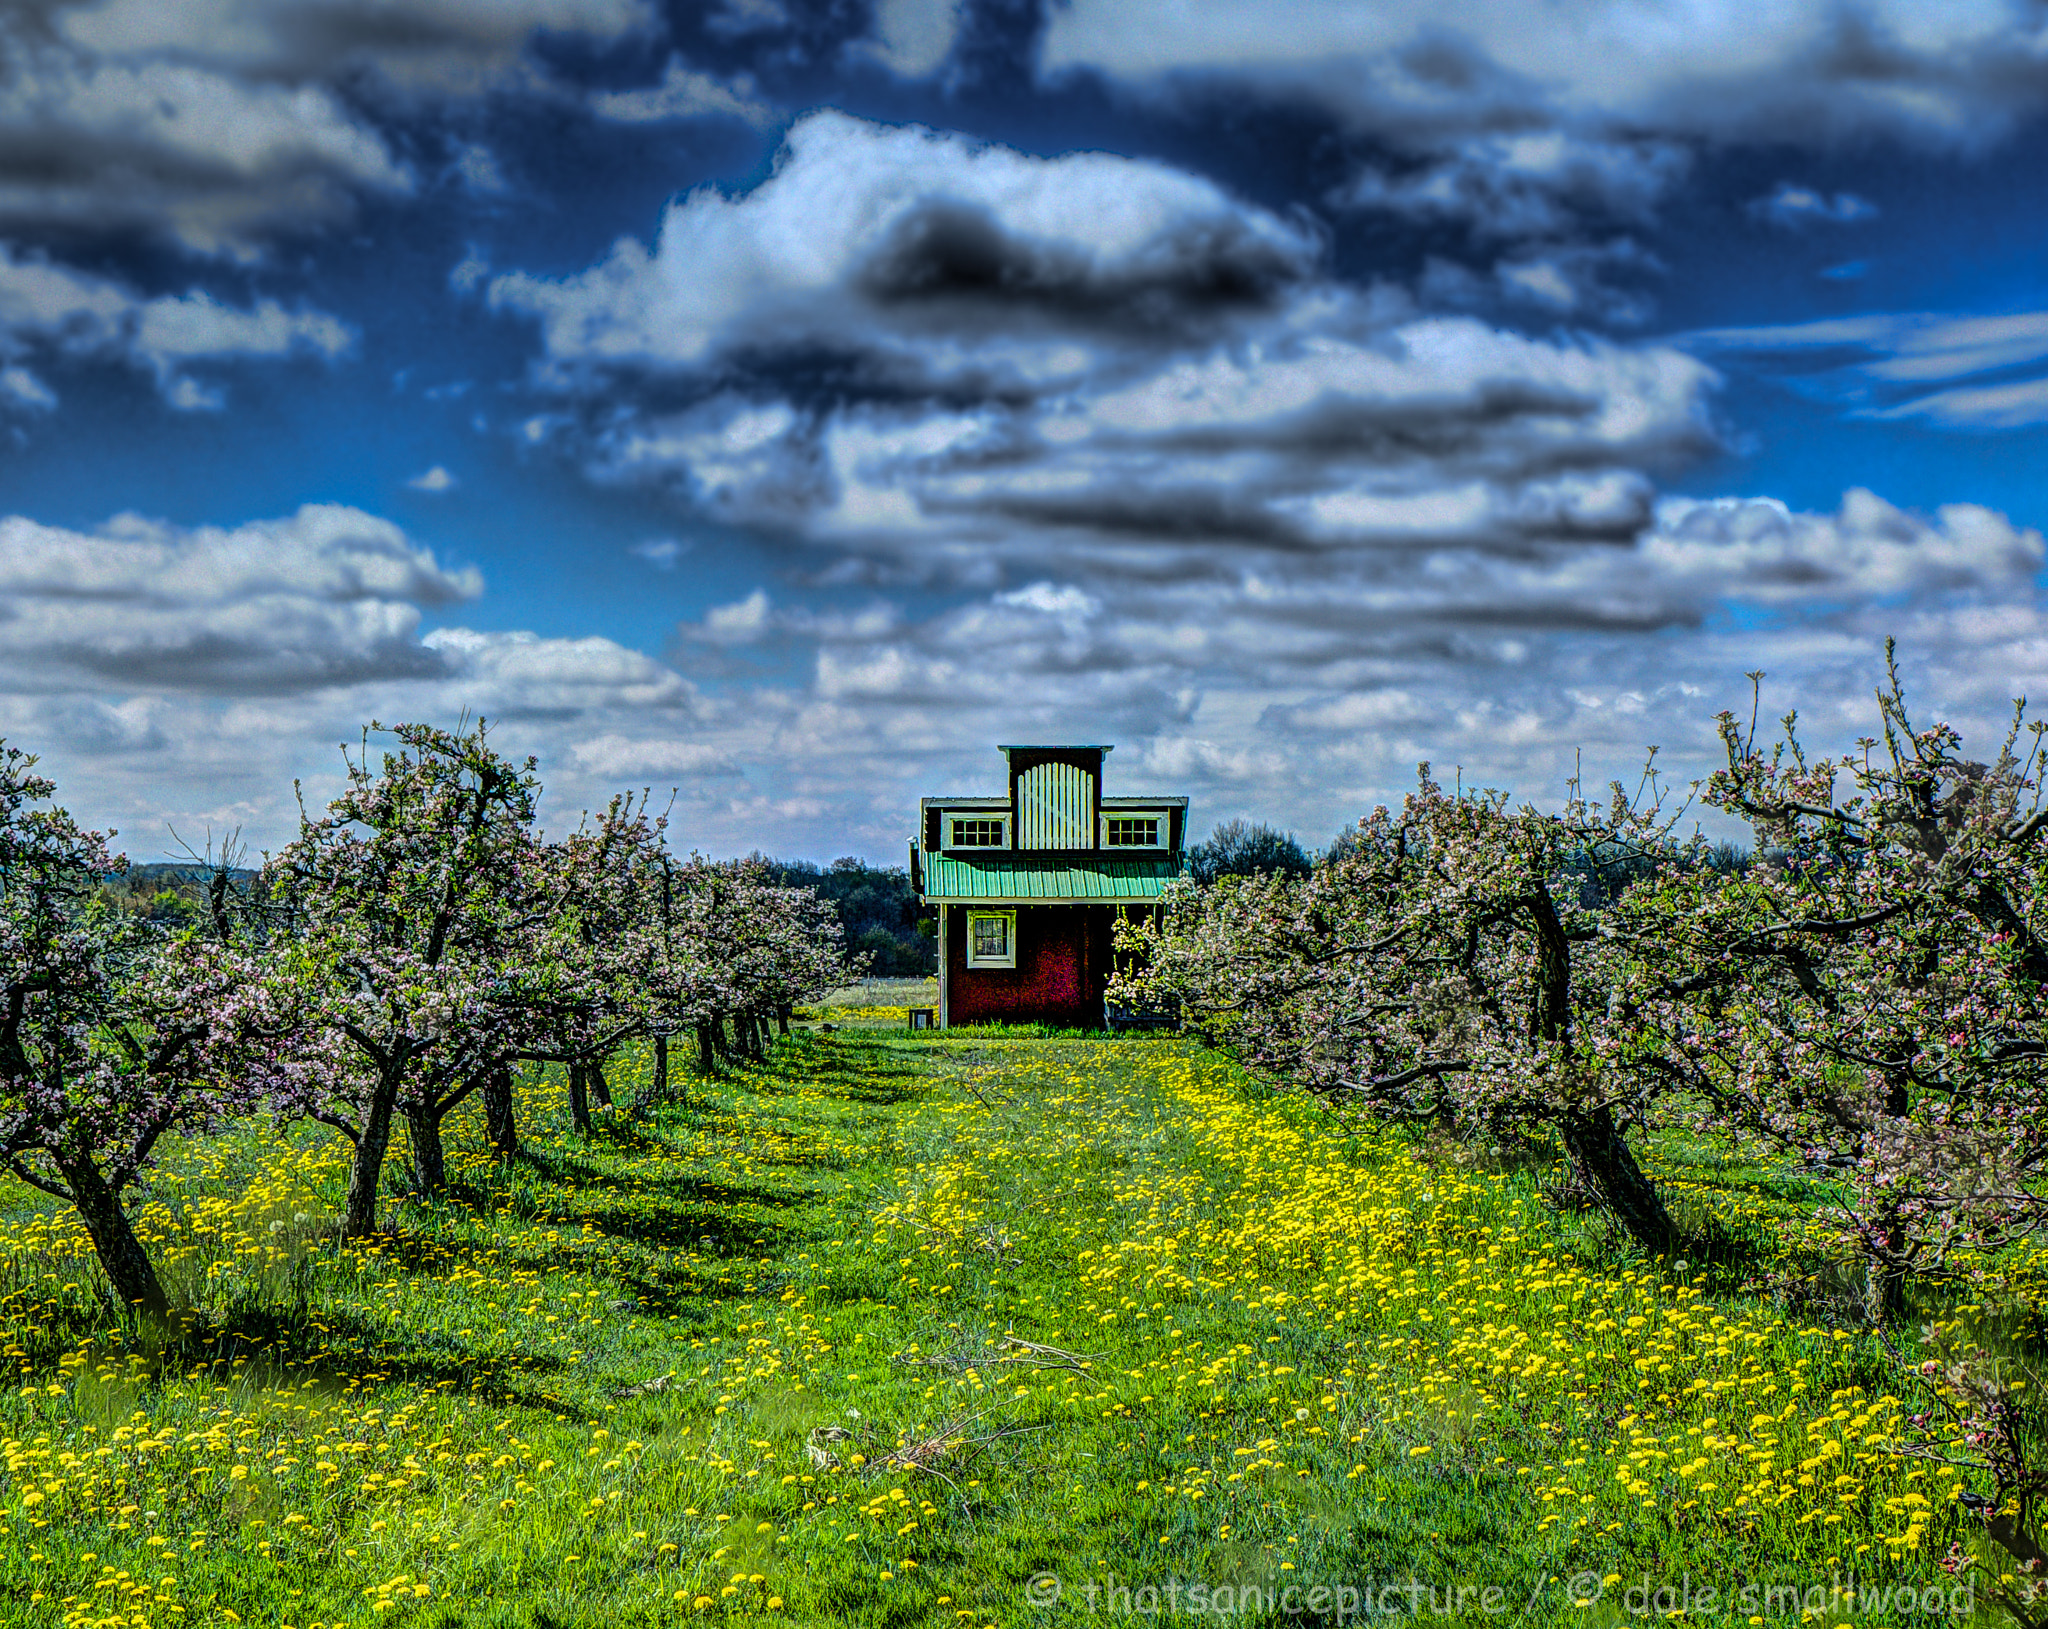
600 1088
359 1210
1605 1167
782 1019
707 1057
719 1040
579 1098
429 1167
1884 1283
1884 1295
500 1127
1593 1141
121 1253
661 1069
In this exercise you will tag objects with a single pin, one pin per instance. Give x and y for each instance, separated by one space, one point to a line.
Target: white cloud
2012 406
23 389
1044 359
1797 206
1885 362
216 124
737 18
60 310
687 93
1807 70
740 623
914 37
188 395
869 230
476 167
327 596
619 757
1532 182
184 677
436 479
661 552
208 161
171 331
1055 600
452 46
521 675
1761 552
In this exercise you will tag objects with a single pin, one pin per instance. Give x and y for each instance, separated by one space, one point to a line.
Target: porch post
944 969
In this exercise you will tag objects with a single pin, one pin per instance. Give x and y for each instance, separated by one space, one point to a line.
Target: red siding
1062 968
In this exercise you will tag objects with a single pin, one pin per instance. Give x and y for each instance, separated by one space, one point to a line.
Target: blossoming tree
407 903
1437 968
1869 996
110 1038
730 946
585 989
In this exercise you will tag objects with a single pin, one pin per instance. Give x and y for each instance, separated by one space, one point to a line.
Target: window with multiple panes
1132 831
991 938
977 831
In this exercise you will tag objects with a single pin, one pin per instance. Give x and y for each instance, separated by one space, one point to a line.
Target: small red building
1028 884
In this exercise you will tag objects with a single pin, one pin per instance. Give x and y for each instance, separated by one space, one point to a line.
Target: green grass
755 1359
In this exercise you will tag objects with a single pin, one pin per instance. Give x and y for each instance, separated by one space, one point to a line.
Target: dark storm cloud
953 263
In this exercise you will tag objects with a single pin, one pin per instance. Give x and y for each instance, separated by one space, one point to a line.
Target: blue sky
785 402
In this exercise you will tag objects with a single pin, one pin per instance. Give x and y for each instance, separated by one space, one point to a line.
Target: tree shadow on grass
707 1229
574 1176
258 1345
854 1070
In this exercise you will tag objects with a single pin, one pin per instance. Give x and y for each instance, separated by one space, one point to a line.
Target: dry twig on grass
1032 1355
951 1444
985 1096
998 1244
1012 1351
816 1446
657 1384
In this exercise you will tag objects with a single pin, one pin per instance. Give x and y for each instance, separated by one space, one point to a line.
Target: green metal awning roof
955 878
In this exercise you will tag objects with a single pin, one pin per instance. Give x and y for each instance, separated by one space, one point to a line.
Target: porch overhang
1034 879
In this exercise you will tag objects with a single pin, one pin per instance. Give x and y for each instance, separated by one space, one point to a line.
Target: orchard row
415 942
1864 996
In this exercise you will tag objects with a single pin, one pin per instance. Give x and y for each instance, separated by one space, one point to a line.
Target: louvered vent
1056 807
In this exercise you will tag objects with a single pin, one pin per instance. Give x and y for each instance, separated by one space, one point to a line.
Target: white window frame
1009 938
946 820
1161 825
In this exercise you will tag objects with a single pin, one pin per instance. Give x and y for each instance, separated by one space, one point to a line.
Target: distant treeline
876 906
172 893
877 910
1243 848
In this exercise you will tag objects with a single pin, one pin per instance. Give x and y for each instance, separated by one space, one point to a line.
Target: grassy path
947 1332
